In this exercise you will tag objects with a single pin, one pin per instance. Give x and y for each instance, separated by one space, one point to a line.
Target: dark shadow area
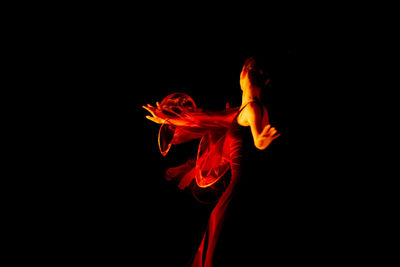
122 208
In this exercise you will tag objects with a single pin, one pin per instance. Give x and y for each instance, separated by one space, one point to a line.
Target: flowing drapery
185 122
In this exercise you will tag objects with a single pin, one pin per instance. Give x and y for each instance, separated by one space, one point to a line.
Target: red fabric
185 122
212 160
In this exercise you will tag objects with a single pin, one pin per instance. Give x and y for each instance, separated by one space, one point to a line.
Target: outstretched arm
196 119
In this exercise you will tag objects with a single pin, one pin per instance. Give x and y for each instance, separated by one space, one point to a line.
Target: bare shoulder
256 111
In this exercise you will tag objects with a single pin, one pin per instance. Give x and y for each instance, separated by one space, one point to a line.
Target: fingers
276 136
149 108
269 131
150 118
266 129
153 119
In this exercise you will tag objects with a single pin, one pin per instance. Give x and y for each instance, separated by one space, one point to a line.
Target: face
243 78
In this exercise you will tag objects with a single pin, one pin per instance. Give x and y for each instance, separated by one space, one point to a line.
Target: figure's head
253 75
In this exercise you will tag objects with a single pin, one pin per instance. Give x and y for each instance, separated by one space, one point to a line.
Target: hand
268 134
156 113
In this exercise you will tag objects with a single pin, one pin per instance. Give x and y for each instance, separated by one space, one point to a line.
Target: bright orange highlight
220 147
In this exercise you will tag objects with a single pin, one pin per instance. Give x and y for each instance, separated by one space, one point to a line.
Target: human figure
251 114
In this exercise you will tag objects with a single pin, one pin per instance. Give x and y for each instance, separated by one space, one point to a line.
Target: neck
250 95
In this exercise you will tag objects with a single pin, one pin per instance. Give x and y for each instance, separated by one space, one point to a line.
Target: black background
113 203
92 178
125 205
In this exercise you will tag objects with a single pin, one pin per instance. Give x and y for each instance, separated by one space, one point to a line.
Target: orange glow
218 152
212 160
181 121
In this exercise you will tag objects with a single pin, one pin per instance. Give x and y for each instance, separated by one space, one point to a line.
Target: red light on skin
243 74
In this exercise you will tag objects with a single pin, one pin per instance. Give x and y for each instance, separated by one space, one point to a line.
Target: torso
239 135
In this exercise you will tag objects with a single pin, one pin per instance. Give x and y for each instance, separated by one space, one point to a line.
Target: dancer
221 145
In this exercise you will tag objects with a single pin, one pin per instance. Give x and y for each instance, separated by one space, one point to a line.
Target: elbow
260 145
